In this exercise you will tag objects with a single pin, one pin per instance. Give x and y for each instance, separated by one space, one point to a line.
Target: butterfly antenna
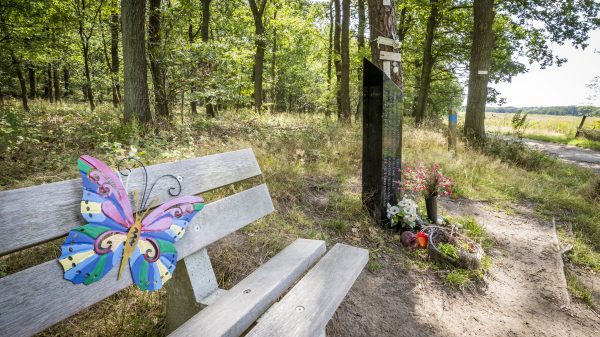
154 200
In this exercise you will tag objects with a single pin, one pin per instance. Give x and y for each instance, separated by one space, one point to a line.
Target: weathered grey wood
40 213
323 334
191 288
234 312
202 276
307 308
39 297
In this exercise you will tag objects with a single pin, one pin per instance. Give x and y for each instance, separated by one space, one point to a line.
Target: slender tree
87 18
134 61
56 83
161 103
329 55
114 57
427 63
49 89
258 10
337 58
362 20
274 62
479 67
345 63
32 81
19 72
211 109
66 80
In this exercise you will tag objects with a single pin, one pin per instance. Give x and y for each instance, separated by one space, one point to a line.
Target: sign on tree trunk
382 141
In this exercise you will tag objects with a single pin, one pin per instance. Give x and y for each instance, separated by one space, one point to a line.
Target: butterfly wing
90 251
155 257
104 201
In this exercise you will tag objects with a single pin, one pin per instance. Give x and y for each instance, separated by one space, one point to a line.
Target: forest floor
524 293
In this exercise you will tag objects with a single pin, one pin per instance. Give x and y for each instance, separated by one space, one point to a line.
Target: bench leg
193 282
322 334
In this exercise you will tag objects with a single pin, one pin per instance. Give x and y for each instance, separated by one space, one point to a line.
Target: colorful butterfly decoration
115 235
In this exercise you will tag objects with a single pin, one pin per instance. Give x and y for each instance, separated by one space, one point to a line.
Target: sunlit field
551 128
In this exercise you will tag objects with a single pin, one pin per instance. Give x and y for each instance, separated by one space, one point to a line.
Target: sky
564 85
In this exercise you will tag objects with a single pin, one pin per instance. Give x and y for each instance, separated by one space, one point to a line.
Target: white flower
392 211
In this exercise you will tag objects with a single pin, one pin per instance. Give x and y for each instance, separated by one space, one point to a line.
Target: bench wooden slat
41 213
39 297
307 308
232 313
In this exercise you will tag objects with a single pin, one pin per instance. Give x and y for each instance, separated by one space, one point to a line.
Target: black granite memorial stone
382 141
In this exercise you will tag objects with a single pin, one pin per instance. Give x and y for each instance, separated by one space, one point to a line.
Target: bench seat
235 310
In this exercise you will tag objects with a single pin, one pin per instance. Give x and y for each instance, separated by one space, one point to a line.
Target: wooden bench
38 297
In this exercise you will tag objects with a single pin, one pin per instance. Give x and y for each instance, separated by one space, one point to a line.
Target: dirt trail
525 293
571 154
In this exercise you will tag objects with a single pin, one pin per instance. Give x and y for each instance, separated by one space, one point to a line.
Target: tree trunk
134 61
259 56
479 67
382 21
89 93
50 90
209 105
345 49
273 64
114 56
56 80
32 81
17 65
337 59
329 56
161 103
66 80
361 44
427 65
193 102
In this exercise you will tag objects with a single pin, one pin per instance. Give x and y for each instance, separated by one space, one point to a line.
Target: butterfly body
115 235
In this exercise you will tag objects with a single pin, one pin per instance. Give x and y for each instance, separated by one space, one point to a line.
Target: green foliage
517 153
519 123
449 250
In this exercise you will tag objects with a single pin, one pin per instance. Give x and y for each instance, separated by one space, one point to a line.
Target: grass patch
579 290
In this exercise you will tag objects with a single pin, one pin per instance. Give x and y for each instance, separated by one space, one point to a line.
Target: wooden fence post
578 132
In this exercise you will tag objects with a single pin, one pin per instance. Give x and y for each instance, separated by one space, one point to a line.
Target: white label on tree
386 68
389 56
387 2
388 42
482 72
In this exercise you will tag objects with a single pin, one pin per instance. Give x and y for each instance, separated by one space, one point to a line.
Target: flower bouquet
430 182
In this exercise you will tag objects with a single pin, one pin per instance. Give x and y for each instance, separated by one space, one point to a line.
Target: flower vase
431 205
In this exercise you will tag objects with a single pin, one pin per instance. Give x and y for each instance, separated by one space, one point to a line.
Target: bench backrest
38 297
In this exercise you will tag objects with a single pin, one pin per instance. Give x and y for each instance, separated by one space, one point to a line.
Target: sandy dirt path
568 153
524 294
